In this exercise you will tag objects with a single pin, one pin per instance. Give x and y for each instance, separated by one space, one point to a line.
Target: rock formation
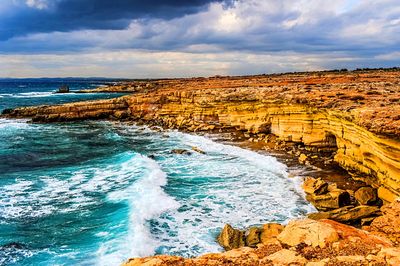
354 115
301 242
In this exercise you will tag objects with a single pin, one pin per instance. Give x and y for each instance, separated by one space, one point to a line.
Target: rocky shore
301 242
344 120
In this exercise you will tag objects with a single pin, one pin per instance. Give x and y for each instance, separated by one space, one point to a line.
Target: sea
100 192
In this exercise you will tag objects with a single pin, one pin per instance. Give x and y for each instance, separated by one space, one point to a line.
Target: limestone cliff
355 114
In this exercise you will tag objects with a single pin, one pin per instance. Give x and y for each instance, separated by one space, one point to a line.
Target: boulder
309 232
231 238
63 89
388 224
270 232
365 195
253 236
196 149
303 158
352 260
390 255
347 214
181 151
315 186
331 200
286 257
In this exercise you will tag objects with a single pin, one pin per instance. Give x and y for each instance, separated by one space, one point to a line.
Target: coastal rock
181 151
253 237
315 186
332 200
347 214
196 149
270 232
286 257
388 225
341 245
390 255
364 137
63 89
303 158
231 238
309 232
161 260
365 195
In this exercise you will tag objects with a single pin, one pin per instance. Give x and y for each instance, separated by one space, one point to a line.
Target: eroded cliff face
364 142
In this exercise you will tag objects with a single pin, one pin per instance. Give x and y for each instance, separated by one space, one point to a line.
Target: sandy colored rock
332 200
347 214
388 224
162 260
253 236
391 256
365 195
349 232
354 260
318 263
309 232
303 158
315 186
270 232
231 238
286 257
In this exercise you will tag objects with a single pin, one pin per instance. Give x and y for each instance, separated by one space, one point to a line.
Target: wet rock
309 232
181 151
315 186
253 236
286 257
365 195
63 89
196 149
231 238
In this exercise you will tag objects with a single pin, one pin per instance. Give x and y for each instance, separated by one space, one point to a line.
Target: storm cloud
217 37
21 17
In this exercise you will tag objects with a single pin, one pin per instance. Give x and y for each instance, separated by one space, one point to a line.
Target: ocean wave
66 190
147 200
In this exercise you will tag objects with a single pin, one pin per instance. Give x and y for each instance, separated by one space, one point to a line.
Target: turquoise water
97 193
27 92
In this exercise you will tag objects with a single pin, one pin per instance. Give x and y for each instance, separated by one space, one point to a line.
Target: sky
180 38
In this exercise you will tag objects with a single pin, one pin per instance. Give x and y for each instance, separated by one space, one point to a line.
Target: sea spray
146 200
87 193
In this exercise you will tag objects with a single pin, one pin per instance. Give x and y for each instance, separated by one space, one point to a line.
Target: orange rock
309 232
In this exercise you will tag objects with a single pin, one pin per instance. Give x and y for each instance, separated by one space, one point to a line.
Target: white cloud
145 64
39 4
247 37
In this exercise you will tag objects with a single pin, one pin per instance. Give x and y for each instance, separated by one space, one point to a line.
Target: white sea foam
147 200
73 188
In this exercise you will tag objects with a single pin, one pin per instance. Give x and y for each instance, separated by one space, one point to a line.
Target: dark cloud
69 15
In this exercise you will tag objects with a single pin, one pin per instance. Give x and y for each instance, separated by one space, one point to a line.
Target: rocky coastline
346 121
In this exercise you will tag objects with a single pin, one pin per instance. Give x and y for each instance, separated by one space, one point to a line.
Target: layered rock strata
348 114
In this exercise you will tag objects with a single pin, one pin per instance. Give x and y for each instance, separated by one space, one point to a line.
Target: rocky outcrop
301 242
353 115
388 224
101 109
